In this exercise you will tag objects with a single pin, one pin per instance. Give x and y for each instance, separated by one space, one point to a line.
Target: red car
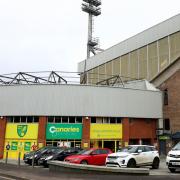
93 156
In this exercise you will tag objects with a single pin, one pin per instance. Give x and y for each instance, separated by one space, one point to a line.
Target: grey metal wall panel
73 100
148 36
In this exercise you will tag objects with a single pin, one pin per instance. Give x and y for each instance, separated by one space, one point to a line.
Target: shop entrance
114 145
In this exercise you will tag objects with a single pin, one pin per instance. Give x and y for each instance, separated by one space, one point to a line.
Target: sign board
106 131
27 146
63 131
14 145
21 131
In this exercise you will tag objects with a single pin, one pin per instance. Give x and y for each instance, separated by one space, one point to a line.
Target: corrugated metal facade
74 100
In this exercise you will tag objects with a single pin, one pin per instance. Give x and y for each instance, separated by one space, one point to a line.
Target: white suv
134 156
173 158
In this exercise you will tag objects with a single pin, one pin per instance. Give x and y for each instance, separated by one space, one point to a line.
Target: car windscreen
130 149
176 147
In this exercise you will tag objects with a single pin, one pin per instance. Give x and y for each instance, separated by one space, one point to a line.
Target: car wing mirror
139 151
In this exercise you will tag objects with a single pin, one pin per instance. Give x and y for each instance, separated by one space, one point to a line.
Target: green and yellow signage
21 131
63 131
106 131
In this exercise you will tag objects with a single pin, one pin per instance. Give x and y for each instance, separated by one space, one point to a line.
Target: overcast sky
45 35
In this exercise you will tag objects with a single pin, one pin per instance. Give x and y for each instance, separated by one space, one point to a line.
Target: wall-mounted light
1 117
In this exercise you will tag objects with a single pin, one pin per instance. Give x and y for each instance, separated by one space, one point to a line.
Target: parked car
92 156
59 154
134 156
173 158
28 158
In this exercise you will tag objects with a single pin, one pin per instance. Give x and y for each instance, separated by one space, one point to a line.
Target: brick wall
172 110
86 132
42 130
139 129
2 135
142 128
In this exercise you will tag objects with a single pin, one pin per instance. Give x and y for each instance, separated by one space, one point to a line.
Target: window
99 120
97 151
16 119
71 119
119 120
165 97
112 120
50 119
104 151
58 119
93 120
78 119
64 119
23 119
10 119
36 119
147 148
166 124
141 148
29 119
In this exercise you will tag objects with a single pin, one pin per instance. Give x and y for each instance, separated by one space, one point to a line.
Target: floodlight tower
92 8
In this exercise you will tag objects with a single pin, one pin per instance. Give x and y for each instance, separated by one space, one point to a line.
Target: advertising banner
21 131
16 146
63 131
106 131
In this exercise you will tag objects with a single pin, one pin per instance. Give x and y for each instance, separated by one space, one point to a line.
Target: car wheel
172 170
131 163
84 162
155 164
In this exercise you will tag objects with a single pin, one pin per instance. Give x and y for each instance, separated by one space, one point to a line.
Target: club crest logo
22 130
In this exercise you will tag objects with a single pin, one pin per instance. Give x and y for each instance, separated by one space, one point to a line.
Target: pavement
11 171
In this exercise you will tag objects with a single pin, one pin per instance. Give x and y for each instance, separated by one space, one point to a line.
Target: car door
95 157
149 154
103 154
140 155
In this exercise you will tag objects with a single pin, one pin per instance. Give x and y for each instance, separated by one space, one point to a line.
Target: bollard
19 159
33 159
6 157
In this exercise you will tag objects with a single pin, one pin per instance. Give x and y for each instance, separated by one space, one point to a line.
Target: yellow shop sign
21 131
106 131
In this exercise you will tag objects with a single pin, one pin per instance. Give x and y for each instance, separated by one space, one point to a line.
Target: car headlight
49 157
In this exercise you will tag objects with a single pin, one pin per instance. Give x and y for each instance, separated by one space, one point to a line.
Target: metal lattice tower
92 8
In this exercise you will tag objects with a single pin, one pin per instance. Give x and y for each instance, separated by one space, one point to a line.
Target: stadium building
76 115
154 55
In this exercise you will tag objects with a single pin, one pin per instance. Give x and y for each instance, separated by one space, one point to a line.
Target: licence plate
175 163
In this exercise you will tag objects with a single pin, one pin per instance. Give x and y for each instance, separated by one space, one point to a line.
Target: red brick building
169 82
